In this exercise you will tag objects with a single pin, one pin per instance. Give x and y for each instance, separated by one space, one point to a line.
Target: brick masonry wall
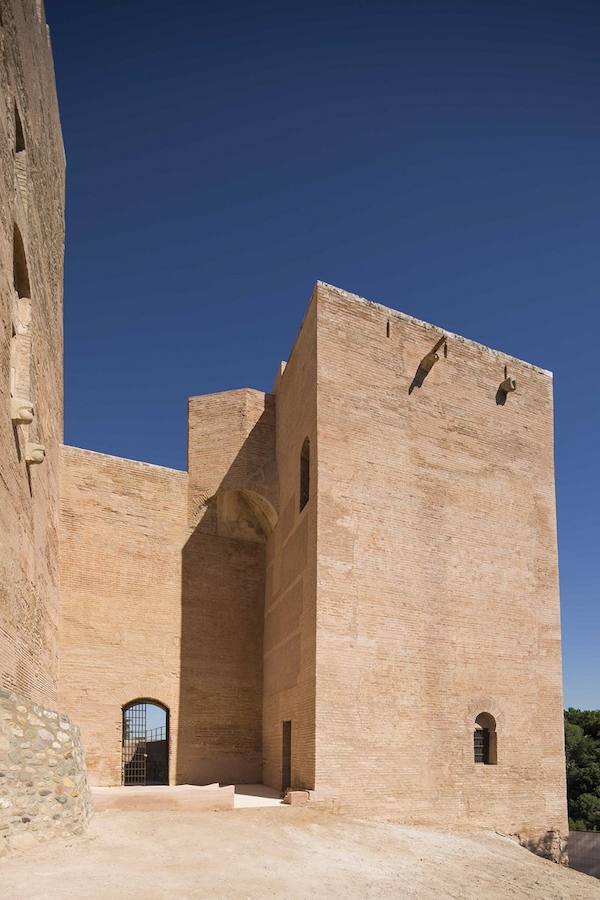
123 527
289 627
221 644
231 450
437 577
32 199
162 593
43 786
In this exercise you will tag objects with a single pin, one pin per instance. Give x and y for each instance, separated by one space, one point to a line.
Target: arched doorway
145 745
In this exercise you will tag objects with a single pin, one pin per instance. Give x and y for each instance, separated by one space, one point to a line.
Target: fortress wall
289 629
231 450
32 199
231 446
123 527
437 577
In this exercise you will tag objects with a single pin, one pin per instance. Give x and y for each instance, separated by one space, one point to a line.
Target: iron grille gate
134 744
145 754
481 744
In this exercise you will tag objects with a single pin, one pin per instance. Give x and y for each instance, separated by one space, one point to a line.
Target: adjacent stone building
351 590
43 789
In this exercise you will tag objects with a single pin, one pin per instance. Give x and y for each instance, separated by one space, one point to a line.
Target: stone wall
32 167
438 579
232 505
123 527
289 628
162 592
43 785
415 590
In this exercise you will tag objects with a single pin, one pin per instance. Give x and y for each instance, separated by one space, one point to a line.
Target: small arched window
21 161
19 133
20 272
20 346
485 747
304 474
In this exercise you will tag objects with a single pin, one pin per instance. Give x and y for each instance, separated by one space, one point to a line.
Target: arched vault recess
245 515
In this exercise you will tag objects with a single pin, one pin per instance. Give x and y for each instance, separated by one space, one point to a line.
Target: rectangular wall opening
286 757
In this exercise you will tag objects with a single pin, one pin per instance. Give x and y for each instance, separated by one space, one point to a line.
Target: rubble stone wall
43 786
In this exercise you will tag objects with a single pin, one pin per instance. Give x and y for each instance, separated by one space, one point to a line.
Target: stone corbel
34 453
21 411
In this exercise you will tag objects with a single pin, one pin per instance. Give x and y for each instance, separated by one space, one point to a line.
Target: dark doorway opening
286 760
145 754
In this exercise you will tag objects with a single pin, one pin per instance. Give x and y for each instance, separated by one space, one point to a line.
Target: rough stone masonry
350 592
43 784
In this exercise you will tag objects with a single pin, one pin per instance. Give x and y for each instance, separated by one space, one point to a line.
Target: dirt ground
280 852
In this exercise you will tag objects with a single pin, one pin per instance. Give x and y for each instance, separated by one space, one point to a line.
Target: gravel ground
280 852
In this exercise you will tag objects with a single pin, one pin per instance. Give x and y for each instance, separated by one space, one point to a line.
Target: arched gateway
145 746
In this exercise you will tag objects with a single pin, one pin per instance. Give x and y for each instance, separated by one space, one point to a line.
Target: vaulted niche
244 515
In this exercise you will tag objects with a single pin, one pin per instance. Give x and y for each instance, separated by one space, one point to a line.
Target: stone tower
351 591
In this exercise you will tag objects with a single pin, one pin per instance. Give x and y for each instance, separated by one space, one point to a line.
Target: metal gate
481 745
145 752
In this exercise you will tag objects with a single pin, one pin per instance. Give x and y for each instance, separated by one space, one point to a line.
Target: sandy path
280 852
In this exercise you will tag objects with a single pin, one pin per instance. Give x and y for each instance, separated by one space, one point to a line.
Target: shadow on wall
222 606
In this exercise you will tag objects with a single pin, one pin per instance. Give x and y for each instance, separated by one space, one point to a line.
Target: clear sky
442 158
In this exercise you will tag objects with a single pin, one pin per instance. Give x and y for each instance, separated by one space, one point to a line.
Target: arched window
145 750
20 160
20 349
304 474
20 271
485 747
19 134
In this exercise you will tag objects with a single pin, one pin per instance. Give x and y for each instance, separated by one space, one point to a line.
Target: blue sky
441 158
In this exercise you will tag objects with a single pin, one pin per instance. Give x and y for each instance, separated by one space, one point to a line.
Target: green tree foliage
582 743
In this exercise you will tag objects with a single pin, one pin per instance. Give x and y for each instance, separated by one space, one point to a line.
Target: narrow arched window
20 346
304 474
485 746
19 133
21 161
20 272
